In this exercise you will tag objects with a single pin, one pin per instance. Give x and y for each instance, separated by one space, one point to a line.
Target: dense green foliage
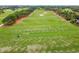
1 11
68 14
11 18
5 14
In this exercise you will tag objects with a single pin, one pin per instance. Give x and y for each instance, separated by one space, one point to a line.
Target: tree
68 13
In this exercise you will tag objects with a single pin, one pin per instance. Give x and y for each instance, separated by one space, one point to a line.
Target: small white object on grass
41 14
45 12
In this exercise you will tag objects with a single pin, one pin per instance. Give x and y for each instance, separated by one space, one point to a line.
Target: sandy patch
5 49
1 25
36 48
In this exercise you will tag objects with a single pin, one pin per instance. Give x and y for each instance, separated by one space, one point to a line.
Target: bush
68 14
73 21
10 19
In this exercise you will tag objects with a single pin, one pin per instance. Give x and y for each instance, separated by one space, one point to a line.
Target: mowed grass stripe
36 31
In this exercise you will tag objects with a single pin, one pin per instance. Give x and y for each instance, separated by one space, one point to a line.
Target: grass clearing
43 34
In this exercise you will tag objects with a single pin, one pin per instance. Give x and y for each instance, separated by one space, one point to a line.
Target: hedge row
10 19
68 14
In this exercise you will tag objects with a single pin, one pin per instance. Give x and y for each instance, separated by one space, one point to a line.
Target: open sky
39 2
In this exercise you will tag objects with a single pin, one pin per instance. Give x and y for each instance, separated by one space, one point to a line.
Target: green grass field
42 31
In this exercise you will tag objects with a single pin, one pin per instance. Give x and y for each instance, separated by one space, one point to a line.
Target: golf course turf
42 31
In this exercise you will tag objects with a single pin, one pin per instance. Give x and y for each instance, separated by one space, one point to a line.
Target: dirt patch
35 48
19 19
1 25
16 22
5 49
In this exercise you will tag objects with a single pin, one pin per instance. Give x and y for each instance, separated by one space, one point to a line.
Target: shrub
10 19
73 21
68 14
